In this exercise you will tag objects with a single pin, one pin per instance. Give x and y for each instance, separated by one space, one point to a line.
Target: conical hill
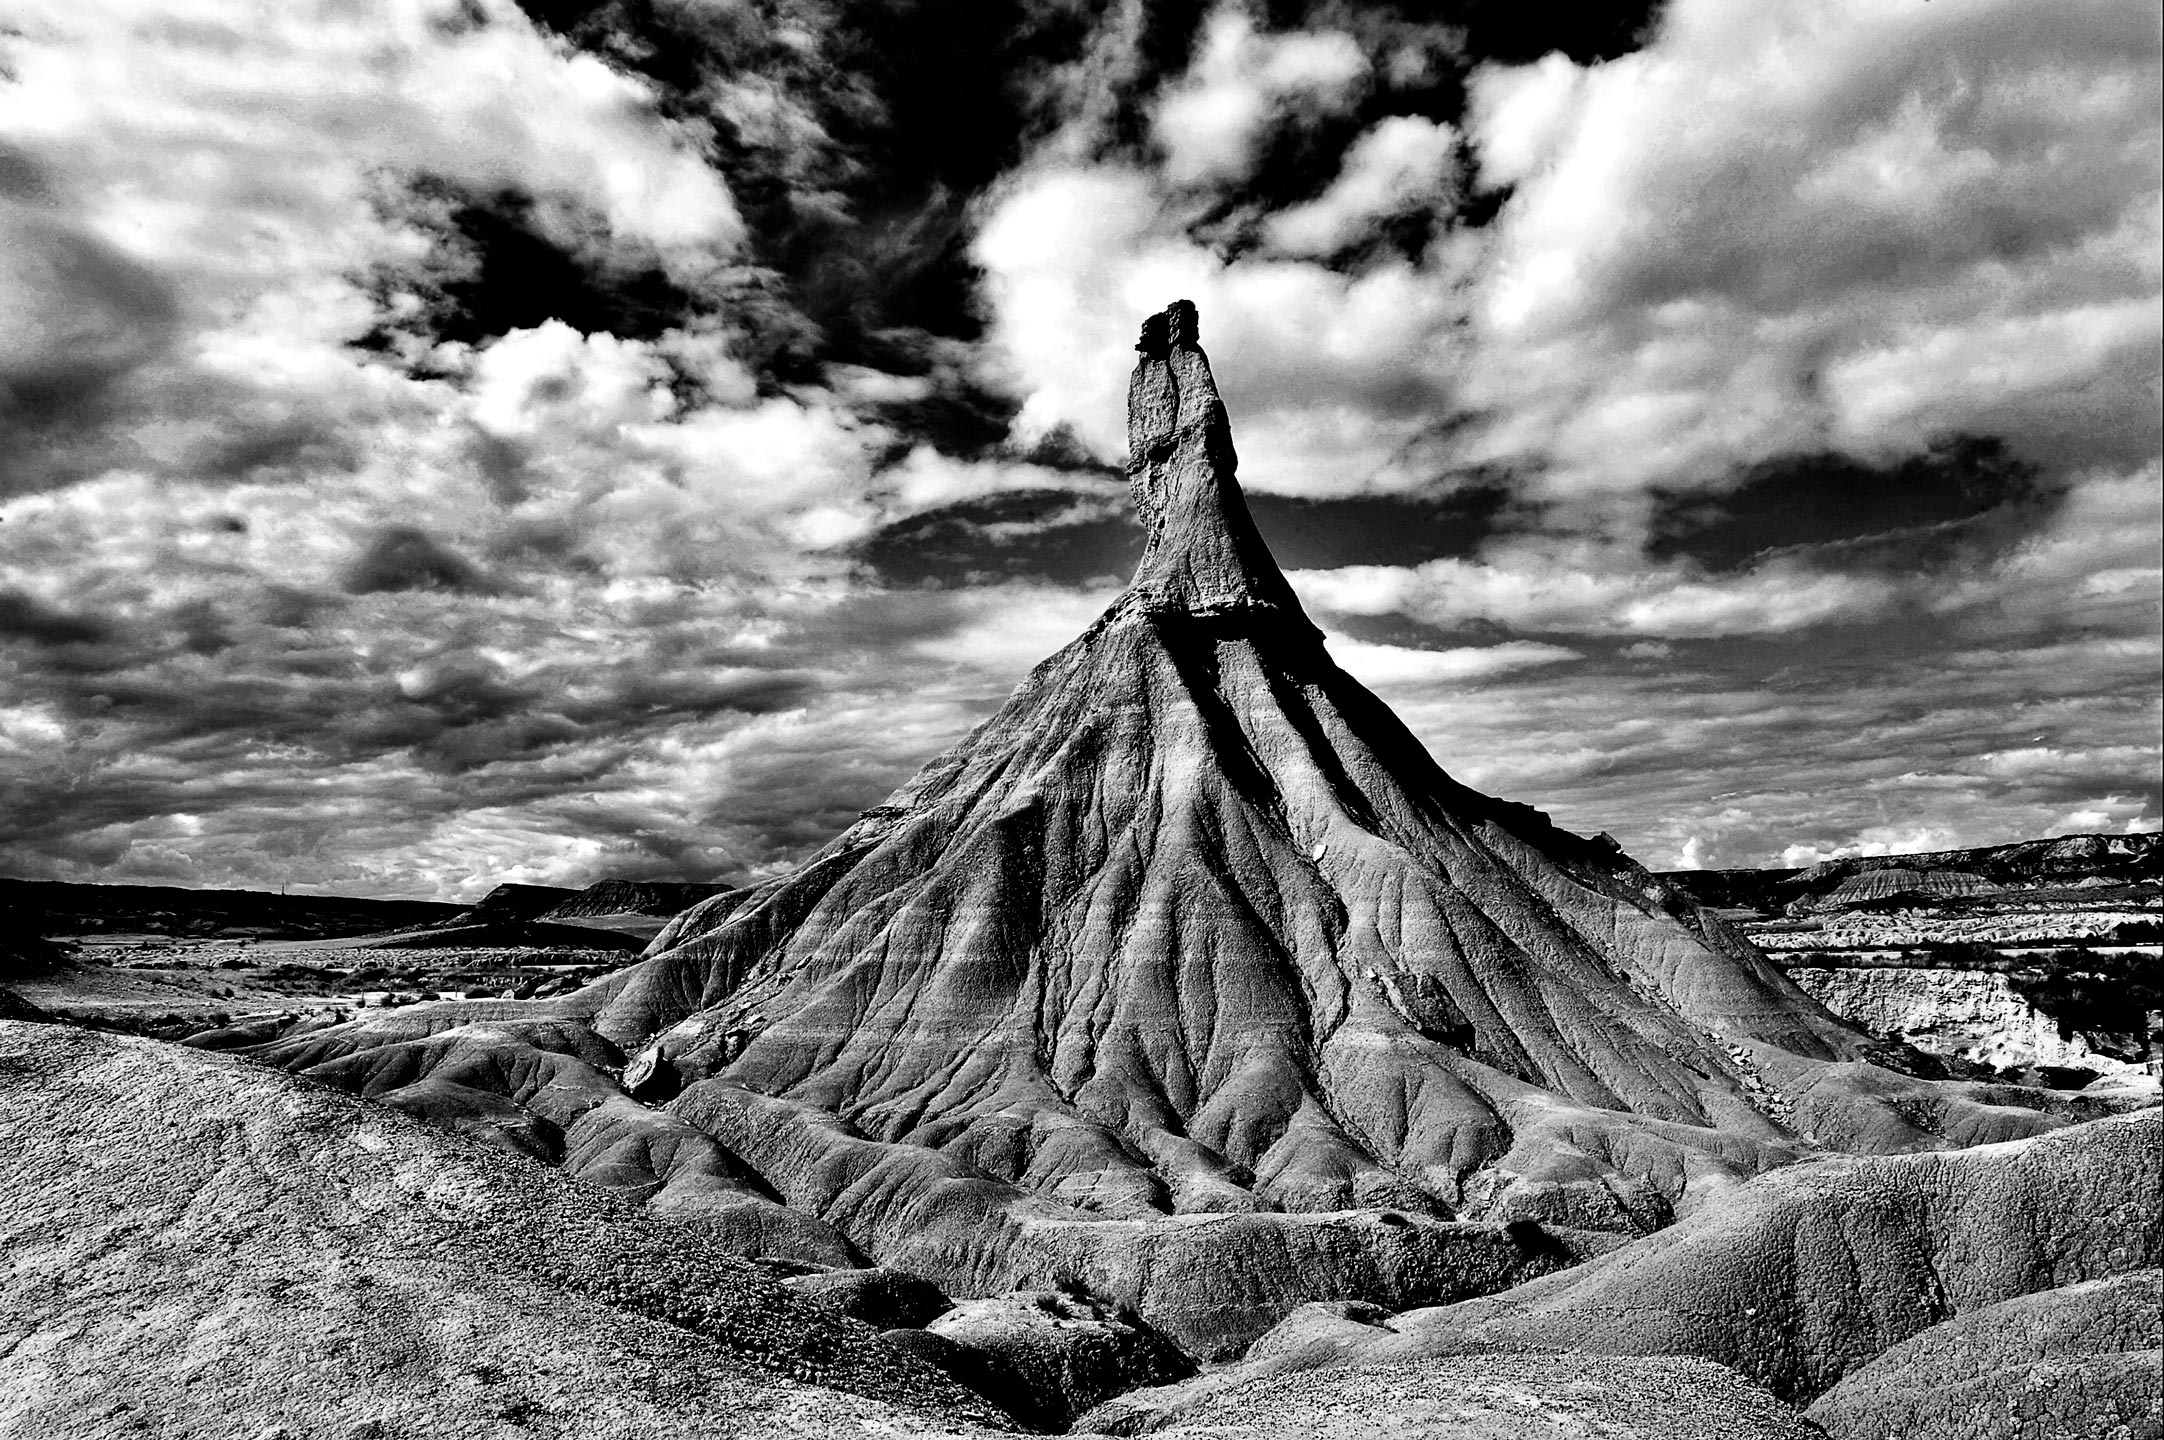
1193 922
1188 979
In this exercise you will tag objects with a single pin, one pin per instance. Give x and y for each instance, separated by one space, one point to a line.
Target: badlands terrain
1183 1053
2032 958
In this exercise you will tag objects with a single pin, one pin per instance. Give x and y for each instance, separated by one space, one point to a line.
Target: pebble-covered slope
198 1247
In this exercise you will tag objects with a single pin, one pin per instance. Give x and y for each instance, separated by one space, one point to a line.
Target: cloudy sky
453 441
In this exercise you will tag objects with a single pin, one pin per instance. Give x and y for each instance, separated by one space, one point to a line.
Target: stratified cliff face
1975 1015
1188 979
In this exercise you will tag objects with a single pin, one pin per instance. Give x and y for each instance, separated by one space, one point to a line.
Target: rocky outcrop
31 908
1210 1281
2062 860
515 902
2082 1362
194 1243
1065 1352
1975 1015
1893 880
14 1007
24 953
2001 922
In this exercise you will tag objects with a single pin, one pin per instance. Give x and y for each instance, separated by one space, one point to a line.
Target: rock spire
1204 556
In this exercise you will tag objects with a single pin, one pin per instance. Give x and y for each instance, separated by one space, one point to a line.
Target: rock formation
1193 925
1189 982
1065 1352
1892 880
61 907
607 898
1975 1015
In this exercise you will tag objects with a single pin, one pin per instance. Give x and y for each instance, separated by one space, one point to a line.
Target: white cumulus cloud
1213 121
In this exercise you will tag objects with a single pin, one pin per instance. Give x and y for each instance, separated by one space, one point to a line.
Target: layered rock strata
1973 1015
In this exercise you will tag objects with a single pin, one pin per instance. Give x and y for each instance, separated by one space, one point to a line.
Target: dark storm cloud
857 138
1842 226
1052 535
404 703
503 261
1816 753
24 617
84 317
1071 538
696 691
1891 240
405 557
1961 497
1416 60
853 139
274 446
1310 533
1515 34
958 416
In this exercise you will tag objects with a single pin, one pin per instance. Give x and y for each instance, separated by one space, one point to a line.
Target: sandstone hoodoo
1188 981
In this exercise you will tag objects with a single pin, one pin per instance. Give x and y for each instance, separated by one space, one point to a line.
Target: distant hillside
59 908
664 898
516 902
63 908
2068 860
613 914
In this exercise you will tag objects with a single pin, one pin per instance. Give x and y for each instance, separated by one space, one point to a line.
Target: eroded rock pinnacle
1204 555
